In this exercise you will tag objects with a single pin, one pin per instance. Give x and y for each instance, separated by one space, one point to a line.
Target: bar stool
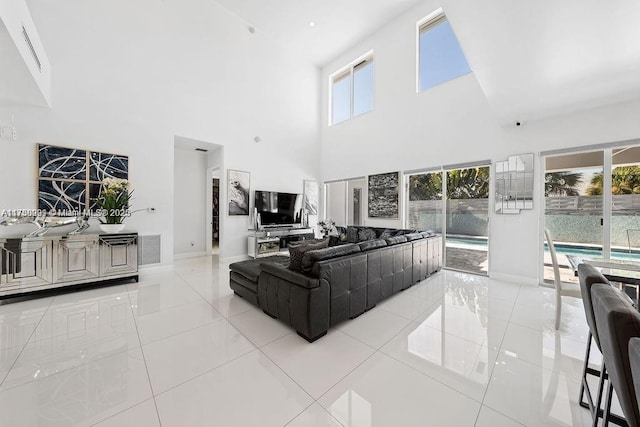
617 322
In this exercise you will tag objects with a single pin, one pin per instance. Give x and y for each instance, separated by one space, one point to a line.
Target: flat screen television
278 208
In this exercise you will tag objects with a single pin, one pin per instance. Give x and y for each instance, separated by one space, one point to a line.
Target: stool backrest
617 322
588 276
634 360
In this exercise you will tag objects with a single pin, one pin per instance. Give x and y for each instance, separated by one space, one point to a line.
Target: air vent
149 249
31 49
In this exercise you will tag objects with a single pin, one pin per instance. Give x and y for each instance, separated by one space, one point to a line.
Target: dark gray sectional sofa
339 282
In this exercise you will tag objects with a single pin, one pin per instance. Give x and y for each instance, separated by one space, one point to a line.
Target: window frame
348 71
430 21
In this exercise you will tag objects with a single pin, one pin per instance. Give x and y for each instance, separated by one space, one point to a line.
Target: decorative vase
111 228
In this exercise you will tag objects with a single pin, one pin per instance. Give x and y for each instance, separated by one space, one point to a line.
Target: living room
153 80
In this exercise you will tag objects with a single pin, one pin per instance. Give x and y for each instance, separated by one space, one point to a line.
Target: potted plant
327 226
113 204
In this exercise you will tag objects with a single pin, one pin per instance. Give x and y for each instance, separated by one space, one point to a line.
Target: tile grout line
484 395
144 359
25 344
206 372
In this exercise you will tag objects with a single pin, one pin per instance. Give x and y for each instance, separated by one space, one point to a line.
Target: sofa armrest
290 276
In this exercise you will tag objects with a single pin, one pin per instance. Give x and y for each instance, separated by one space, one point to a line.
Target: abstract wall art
383 195
238 186
68 178
311 196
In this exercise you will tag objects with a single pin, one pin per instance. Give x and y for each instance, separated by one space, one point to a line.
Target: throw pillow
365 234
297 251
352 234
387 233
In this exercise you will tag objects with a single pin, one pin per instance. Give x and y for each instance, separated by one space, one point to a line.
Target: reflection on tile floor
178 348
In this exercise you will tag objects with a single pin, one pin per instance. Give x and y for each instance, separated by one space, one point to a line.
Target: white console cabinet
274 241
35 264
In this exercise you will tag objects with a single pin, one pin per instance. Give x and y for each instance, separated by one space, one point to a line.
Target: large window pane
341 100
467 214
441 58
573 209
363 89
425 202
625 207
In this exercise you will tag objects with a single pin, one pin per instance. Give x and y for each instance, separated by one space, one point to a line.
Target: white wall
451 123
128 76
189 202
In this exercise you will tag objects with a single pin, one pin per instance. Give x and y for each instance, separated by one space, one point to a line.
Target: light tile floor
179 349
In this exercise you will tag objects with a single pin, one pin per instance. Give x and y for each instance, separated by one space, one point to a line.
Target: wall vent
149 249
31 49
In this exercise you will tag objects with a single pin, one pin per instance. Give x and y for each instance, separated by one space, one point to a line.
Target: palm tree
562 183
426 186
470 183
624 180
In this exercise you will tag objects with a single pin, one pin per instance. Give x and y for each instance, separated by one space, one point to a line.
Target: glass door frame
607 196
443 207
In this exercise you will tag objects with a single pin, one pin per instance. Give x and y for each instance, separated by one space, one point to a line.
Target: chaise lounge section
339 282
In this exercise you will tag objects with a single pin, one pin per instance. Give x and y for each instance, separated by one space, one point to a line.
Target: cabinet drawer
118 254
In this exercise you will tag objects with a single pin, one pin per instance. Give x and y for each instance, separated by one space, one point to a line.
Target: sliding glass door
457 207
592 207
573 210
467 219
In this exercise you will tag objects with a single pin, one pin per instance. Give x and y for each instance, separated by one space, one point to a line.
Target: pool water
561 249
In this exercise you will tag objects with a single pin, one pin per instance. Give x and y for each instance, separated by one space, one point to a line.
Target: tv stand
275 240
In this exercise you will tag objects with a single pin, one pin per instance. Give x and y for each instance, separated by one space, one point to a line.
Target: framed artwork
383 195
68 178
311 196
238 187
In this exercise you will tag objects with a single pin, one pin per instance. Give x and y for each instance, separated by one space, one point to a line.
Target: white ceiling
536 59
339 23
533 59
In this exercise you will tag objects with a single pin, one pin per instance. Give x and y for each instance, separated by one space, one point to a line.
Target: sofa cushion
251 268
352 234
297 251
387 233
413 236
372 244
321 254
395 240
365 234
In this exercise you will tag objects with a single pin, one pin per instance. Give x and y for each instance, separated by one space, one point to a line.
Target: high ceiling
338 23
533 59
536 59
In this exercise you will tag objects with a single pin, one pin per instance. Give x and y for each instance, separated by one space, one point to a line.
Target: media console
37 264
274 240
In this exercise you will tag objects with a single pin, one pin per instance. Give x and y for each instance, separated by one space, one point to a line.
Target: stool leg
595 412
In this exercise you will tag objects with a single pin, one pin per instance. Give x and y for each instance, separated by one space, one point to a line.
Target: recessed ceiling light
312 24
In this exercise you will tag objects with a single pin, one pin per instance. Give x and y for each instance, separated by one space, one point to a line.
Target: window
352 90
440 57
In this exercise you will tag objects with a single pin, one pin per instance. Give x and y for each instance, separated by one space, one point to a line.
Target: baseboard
511 278
189 255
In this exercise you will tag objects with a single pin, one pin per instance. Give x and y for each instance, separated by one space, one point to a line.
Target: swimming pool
561 249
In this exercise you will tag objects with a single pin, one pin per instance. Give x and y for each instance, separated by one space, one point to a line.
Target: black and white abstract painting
238 192
65 175
311 197
66 196
103 165
383 195
61 163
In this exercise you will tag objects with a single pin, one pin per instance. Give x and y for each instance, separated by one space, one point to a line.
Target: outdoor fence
572 219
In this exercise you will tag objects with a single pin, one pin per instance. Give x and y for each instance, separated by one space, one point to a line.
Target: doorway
592 207
215 216
458 207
